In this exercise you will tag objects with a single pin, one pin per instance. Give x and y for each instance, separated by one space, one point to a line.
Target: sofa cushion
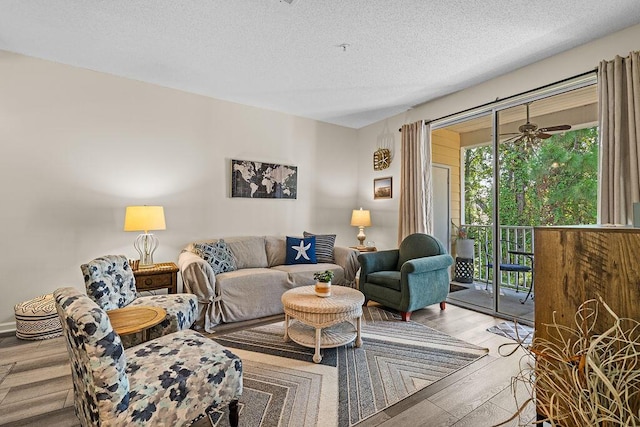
276 247
324 246
251 293
218 255
249 251
388 279
301 250
302 274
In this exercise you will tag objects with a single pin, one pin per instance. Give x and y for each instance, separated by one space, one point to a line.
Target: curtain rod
486 104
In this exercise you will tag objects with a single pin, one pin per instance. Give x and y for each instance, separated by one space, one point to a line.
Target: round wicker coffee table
322 322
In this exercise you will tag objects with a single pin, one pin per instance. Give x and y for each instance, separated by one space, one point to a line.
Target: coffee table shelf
333 336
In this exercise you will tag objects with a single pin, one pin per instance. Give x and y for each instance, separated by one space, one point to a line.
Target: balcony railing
512 238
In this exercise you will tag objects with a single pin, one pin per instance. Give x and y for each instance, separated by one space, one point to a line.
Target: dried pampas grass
581 378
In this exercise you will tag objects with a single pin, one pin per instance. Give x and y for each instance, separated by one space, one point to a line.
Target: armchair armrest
426 264
347 258
198 277
425 280
370 262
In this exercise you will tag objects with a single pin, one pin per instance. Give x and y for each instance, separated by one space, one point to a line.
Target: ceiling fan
529 132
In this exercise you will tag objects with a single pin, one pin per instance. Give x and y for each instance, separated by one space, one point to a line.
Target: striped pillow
324 246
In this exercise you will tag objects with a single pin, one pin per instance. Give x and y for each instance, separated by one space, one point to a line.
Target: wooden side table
161 276
365 248
139 318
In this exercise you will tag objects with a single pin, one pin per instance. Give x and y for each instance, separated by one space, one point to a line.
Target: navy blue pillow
301 250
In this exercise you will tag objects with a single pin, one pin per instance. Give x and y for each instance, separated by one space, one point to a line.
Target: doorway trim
447 200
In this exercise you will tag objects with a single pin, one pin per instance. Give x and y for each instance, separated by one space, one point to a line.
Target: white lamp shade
360 218
144 218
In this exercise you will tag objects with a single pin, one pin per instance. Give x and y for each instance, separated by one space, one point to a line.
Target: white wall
78 146
384 214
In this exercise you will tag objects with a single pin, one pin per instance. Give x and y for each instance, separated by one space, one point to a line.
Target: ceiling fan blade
514 139
509 136
510 133
555 128
543 135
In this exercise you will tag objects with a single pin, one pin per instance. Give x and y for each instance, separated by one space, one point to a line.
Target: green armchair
408 278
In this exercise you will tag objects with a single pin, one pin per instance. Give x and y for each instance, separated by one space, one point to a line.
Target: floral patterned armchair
170 381
110 283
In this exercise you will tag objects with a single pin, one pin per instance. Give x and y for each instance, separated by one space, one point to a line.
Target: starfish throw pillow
301 250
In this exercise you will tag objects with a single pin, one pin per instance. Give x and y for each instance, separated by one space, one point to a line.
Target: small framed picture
382 188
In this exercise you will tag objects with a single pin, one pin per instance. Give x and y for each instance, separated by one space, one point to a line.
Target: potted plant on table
323 283
464 245
465 248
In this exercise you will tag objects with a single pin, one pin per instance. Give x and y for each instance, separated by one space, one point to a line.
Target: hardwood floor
36 388
478 395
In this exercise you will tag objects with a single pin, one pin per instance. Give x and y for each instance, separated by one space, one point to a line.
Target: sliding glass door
512 248
547 174
471 210
528 162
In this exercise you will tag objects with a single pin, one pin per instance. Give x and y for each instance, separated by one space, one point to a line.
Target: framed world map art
258 180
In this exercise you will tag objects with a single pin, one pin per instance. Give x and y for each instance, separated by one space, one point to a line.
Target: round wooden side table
139 318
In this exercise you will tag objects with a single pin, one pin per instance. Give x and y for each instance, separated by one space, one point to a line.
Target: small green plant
323 276
459 232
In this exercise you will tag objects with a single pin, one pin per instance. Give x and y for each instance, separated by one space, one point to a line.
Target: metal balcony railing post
521 237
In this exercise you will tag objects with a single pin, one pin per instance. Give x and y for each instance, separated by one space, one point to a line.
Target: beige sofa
255 288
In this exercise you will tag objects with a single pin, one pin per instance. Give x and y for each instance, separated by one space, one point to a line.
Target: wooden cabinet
575 264
161 276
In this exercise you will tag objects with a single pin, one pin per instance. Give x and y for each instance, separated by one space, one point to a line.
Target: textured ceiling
286 57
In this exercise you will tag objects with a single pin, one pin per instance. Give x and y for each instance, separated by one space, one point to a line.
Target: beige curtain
416 191
619 121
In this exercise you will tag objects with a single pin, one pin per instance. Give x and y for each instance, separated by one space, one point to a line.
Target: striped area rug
516 331
283 387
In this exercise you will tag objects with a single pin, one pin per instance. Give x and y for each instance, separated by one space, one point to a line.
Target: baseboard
7 328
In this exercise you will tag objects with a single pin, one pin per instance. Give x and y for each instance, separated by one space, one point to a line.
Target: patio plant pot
464 248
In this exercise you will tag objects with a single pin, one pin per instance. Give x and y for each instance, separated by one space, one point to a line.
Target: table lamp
361 219
145 218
